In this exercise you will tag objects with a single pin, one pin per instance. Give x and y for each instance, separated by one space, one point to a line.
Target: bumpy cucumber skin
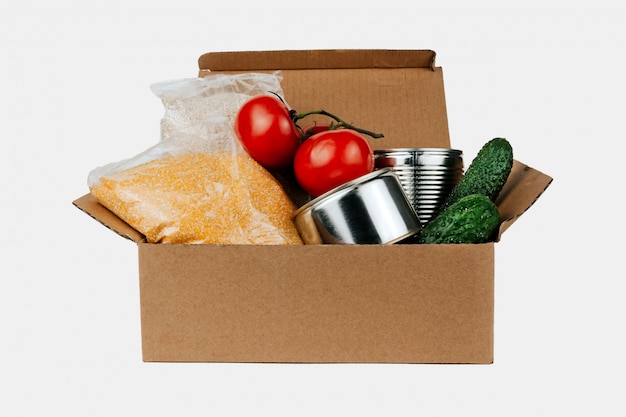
472 219
486 174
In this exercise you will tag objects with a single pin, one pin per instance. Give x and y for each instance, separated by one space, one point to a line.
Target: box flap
90 205
398 93
522 189
315 59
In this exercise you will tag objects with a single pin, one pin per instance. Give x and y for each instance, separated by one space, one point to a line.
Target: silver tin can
427 175
372 209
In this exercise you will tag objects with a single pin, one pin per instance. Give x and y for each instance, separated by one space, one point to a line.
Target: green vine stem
340 123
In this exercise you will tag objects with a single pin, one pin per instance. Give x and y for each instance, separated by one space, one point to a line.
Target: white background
74 94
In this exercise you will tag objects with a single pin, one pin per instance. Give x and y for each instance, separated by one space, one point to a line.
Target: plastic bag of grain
191 100
197 185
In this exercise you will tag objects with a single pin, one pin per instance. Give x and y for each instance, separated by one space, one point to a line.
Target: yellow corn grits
217 198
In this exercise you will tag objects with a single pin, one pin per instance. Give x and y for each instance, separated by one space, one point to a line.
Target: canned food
372 209
427 175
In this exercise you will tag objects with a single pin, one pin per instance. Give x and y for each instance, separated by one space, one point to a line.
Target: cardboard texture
397 303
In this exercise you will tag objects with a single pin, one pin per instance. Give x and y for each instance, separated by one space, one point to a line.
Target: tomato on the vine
266 131
331 158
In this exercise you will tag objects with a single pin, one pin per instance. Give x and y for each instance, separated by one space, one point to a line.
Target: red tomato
266 131
328 159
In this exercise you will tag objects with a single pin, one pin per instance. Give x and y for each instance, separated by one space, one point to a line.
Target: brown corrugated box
401 303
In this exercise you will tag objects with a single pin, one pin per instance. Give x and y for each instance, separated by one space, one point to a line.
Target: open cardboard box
402 303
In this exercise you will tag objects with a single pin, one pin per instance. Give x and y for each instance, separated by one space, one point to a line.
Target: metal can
372 209
427 175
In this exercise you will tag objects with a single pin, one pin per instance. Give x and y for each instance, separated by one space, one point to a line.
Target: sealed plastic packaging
197 185
188 101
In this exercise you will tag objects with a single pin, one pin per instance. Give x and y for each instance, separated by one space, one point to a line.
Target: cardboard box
397 303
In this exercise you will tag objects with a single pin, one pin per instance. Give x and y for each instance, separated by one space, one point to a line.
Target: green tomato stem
340 123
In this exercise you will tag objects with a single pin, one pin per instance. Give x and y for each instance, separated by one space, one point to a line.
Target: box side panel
375 304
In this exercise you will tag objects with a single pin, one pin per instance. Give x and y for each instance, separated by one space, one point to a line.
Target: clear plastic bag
197 185
189 101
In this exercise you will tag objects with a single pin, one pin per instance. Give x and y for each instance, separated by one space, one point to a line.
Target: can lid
393 150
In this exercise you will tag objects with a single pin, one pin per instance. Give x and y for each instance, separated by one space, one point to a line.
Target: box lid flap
91 206
398 93
523 187
315 59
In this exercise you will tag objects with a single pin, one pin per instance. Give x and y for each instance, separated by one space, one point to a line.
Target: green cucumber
472 219
486 174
